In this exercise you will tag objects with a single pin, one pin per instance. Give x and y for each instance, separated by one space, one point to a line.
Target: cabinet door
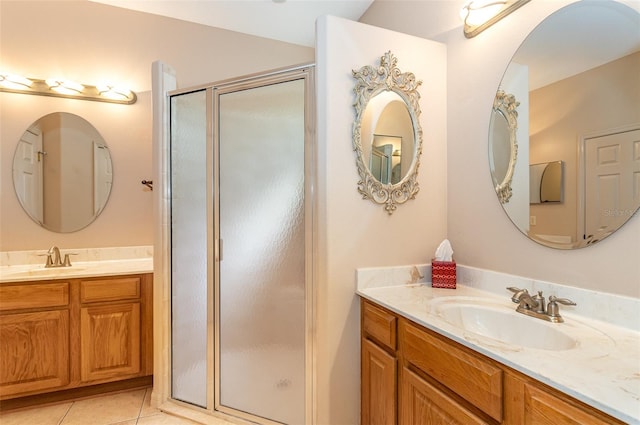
110 341
378 385
34 351
424 404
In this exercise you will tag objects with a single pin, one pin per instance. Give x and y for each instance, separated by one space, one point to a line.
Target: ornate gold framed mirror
387 136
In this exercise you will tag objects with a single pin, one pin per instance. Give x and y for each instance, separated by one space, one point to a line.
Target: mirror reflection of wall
547 182
62 172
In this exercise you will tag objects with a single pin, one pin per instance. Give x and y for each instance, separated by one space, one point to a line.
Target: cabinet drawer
113 289
543 408
13 297
472 378
379 325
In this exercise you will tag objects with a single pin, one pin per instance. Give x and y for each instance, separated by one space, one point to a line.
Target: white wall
90 43
354 232
480 232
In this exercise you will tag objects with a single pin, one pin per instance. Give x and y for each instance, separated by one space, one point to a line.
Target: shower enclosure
241 246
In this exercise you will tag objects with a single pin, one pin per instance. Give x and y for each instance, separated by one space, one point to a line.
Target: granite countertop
602 370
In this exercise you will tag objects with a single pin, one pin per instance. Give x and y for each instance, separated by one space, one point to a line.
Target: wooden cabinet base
76 333
75 393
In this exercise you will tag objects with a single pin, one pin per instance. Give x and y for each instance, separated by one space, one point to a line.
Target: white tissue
444 251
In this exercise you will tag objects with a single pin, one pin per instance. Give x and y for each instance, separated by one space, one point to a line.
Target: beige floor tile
147 410
164 419
46 415
105 410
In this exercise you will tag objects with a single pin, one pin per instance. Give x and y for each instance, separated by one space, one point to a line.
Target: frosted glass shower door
261 139
189 253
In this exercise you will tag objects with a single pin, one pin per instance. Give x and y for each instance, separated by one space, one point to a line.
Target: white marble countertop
603 370
78 269
19 266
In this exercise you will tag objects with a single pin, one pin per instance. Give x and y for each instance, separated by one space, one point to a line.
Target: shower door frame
304 72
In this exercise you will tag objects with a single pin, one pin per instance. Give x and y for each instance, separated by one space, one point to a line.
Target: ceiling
291 21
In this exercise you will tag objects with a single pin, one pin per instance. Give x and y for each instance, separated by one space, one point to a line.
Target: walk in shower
241 221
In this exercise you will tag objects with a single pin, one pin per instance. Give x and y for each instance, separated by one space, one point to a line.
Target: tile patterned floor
127 408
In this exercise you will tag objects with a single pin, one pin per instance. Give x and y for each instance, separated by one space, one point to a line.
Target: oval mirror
62 172
578 125
387 136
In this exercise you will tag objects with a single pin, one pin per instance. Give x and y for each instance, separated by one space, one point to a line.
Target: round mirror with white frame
387 136
62 172
576 79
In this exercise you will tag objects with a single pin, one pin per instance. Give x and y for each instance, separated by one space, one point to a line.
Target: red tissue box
443 274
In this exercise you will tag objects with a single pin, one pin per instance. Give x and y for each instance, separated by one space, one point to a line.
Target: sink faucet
524 300
54 259
534 306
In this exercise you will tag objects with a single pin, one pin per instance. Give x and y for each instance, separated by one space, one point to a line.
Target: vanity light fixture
112 92
479 15
67 89
14 81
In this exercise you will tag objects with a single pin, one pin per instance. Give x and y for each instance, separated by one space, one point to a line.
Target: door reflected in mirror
576 78
62 172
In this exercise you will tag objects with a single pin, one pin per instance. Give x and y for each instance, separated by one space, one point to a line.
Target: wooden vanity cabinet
34 337
379 366
110 325
61 335
438 381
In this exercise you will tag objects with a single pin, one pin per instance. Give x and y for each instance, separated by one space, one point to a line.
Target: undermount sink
490 319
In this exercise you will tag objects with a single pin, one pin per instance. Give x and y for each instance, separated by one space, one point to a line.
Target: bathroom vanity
417 368
411 375
75 331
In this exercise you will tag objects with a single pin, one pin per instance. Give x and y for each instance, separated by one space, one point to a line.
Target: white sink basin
498 322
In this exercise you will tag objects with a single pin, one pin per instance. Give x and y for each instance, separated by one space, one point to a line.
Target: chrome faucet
54 258
534 306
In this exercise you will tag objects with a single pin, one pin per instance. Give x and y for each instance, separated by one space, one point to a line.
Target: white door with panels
612 181
27 173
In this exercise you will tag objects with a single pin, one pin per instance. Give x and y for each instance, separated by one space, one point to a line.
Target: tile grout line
144 397
66 413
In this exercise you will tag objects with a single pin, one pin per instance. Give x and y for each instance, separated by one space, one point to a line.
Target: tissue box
443 274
